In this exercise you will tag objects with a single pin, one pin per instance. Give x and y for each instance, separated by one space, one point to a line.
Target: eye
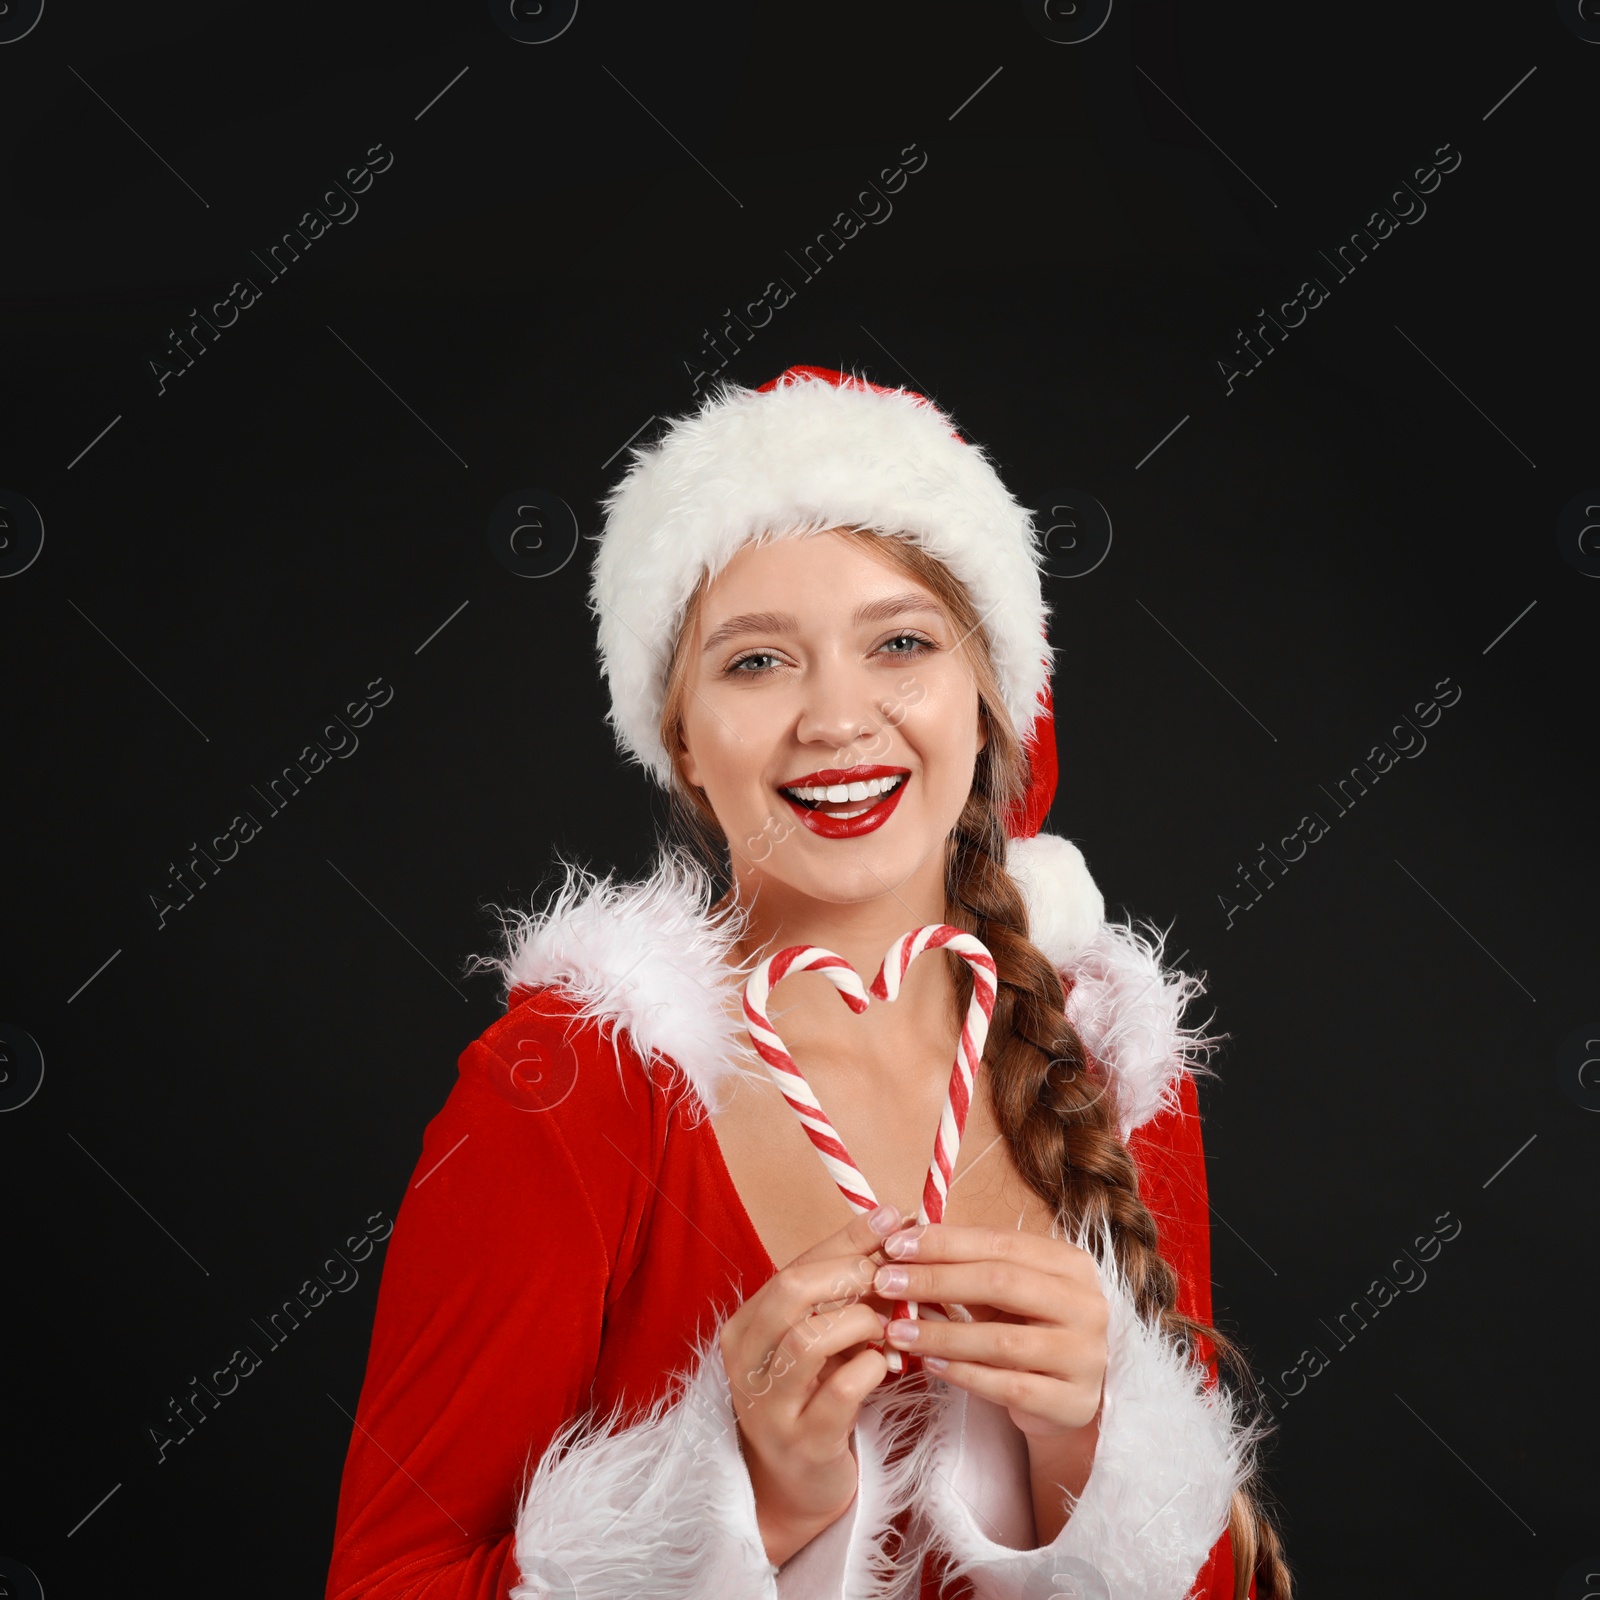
915 642
740 666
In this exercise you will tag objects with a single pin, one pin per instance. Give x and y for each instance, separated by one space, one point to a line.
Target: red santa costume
545 1410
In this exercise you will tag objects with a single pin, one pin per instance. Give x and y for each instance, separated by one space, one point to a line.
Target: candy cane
797 1092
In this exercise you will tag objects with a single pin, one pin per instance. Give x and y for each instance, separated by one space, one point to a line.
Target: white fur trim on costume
660 1510
663 1508
852 1559
1128 1009
1170 1454
648 958
800 458
1065 907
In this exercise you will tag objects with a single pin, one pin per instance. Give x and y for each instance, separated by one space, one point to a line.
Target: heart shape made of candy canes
803 1102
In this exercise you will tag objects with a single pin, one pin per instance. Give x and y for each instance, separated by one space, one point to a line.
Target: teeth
838 794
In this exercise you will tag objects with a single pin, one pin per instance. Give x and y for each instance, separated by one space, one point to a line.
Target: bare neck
822 1032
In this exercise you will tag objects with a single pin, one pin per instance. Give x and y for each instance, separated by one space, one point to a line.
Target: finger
1014 1345
791 1296
788 1370
1008 1286
860 1237
838 1269
833 1409
1050 1398
805 1348
942 1242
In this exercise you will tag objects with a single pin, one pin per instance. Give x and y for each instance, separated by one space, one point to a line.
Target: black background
525 289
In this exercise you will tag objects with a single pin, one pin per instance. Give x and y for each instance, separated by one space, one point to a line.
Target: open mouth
845 804
838 799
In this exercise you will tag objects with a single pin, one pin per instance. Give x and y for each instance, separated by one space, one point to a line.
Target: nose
839 714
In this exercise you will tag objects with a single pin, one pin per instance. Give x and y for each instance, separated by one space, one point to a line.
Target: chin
862 875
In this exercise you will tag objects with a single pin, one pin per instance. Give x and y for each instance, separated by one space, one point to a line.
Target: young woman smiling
822 625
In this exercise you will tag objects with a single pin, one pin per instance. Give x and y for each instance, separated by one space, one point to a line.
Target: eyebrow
884 610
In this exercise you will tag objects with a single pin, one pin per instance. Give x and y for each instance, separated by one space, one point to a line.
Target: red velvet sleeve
1172 1183
488 1321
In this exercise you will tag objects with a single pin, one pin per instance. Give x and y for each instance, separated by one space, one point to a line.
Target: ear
687 764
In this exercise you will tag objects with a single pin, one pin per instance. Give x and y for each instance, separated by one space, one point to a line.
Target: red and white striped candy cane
792 1085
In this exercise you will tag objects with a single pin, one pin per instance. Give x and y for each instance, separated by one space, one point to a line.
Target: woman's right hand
802 1355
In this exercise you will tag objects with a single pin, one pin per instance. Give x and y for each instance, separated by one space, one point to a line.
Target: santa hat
816 449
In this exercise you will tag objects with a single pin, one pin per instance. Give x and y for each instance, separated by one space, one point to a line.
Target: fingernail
891 1279
883 1321
901 1246
935 1364
884 1220
902 1332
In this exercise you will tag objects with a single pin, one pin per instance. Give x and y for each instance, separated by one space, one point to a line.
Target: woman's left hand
1045 1362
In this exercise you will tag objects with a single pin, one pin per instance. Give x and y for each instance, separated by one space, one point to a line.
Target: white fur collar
648 958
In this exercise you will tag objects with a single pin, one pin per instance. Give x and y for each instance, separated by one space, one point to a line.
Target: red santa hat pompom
816 449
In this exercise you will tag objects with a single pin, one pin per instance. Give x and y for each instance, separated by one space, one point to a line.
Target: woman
822 627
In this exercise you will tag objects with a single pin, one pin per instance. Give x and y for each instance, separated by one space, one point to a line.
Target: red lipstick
868 816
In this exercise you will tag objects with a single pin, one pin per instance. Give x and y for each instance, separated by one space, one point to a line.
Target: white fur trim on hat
803 457
1065 909
1127 1006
